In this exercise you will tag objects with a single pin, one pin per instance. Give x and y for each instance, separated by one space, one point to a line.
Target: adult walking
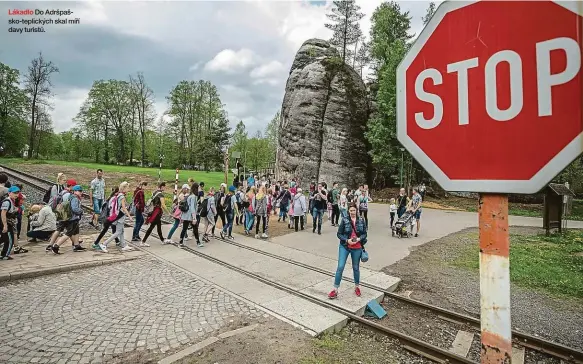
230 212
139 206
335 208
402 202
300 209
188 209
209 216
353 237
415 208
97 195
220 201
259 204
320 202
118 214
155 218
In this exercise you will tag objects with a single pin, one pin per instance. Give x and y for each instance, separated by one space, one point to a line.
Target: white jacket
300 207
45 220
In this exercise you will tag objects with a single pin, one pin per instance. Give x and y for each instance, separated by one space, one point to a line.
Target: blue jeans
283 210
343 254
249 220
138 224
173 228
317 216
401 211
228 228
97 203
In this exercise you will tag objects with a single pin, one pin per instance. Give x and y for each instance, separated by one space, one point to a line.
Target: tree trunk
32 129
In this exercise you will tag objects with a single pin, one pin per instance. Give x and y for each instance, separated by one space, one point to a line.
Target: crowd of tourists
249 202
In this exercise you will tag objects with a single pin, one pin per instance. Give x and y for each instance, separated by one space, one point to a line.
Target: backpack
47 196
238 197
227 203
150 203
104 212
63 209
183 205
113 209
203 208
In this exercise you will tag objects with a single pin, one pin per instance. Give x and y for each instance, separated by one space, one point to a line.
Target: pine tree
430 10
346 29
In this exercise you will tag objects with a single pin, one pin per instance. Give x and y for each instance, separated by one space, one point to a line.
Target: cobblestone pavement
91 315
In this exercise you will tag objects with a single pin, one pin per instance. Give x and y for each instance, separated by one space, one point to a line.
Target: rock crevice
323 119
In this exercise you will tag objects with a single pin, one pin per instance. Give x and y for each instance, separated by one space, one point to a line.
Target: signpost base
495 279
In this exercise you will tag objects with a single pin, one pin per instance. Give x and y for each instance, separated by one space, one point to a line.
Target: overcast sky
246 48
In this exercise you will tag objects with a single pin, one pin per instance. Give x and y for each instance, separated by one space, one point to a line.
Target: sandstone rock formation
323 120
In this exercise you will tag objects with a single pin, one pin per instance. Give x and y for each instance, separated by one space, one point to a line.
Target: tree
389 44
271 132
388 25
12 110
344 25
38 88
429 13
239 141
362 58
145 109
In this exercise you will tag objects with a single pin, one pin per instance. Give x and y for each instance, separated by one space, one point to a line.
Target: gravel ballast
429 274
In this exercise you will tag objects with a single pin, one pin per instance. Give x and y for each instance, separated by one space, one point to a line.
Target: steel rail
536 343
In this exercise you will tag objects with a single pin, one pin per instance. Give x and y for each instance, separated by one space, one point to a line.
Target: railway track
555 350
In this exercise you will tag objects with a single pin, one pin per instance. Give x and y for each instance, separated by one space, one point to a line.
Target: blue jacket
345 230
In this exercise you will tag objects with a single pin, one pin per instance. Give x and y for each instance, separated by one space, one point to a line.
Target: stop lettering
490 95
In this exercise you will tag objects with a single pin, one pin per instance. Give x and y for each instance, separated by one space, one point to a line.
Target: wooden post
495 279
226 167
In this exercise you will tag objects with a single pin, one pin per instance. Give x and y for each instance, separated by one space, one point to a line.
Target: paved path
87 316
385 250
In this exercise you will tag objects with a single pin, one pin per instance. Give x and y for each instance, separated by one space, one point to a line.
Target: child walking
392 210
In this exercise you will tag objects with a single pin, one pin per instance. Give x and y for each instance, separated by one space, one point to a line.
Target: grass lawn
213 179
553 263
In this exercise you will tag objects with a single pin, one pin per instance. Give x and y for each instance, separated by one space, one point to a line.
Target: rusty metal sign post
495 278
479 118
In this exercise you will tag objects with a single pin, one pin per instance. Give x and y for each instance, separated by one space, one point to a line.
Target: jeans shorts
417 215
97 203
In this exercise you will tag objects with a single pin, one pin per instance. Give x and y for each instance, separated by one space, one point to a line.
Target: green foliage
13 105
345 26
429 13
271 134
553 263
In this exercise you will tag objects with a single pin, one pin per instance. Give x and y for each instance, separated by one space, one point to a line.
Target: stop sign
489 96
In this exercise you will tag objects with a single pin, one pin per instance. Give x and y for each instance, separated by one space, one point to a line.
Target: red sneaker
357 291
332 295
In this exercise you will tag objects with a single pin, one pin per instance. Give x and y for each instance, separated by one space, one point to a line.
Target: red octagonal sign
489 96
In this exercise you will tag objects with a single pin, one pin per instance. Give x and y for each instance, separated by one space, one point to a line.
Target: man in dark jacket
284 200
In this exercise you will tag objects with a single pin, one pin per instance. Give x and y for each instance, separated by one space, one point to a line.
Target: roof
561 189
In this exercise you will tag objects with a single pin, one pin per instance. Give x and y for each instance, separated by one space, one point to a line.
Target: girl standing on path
259 204
363 201
250 210
343 202
352 236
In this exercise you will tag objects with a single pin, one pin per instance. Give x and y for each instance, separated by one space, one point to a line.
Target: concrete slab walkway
385 250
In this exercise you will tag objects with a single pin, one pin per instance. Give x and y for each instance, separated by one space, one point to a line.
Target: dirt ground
431 276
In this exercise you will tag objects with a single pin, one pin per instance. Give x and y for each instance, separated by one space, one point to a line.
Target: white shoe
103 248
143 244
127 248
187 238
167 241
256 236
264 236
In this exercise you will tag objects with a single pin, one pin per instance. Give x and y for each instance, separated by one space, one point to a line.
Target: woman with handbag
352 236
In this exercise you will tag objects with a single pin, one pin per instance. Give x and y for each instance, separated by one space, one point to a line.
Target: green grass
213 179
553 264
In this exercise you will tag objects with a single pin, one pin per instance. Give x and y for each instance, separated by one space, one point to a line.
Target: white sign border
535 184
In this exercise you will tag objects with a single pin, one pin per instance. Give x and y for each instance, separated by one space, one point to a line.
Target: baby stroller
403 228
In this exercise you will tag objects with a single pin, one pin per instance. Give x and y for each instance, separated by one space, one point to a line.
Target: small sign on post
499 112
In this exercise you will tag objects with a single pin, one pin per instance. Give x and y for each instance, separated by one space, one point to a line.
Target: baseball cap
77 188
71 182
185 187
14 189
232 188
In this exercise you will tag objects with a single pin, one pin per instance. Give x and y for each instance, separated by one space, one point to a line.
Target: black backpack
183 205
47 196
228 207
203 209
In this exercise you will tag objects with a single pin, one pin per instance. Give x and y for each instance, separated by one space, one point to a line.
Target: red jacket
139 200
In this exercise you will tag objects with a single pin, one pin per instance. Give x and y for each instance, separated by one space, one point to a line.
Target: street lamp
402 154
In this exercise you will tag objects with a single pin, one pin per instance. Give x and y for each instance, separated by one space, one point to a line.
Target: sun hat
185 187
77 188
71 182
14 189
